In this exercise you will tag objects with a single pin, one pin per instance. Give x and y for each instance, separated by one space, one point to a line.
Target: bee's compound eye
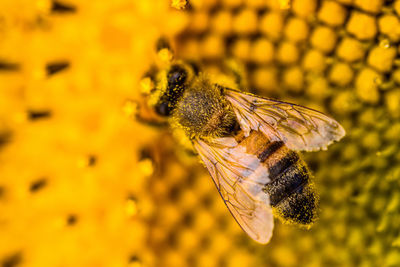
176 76
162 109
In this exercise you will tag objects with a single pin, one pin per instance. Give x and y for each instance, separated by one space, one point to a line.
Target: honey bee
248 144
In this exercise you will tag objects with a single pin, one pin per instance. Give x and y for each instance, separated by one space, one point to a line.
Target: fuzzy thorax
203 111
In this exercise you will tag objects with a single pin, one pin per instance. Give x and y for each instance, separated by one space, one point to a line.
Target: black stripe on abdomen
291 179
300 206
290 190
271 148
282 164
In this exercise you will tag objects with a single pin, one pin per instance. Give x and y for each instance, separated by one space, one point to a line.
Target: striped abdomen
291 191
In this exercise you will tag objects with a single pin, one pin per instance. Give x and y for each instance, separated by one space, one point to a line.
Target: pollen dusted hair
203 110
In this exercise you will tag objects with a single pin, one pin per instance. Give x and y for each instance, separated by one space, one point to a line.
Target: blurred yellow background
83 184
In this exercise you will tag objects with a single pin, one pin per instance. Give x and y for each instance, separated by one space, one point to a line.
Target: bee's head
169 87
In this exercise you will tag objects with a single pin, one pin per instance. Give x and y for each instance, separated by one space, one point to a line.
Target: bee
249 144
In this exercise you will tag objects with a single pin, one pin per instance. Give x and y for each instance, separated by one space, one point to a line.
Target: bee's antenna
164 51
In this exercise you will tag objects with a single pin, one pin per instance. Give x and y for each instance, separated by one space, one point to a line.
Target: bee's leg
238 72
184 142
143 116
156 151
151 122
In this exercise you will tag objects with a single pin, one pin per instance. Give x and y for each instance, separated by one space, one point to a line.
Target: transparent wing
299 127
239 178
